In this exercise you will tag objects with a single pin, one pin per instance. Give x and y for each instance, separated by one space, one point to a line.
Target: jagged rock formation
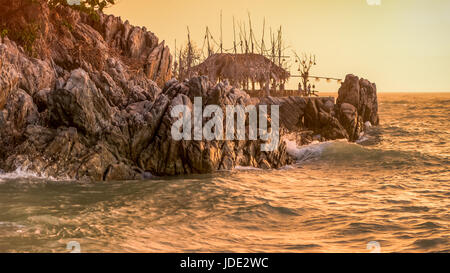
91 100
206 156
356 105
62 39
79 135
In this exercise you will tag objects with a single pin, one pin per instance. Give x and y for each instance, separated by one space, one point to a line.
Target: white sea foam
23 173
363 138
311 151
287 167
246 168
300 153
303 153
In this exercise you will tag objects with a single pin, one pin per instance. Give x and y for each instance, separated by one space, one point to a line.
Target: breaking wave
305 153
353 154
23 174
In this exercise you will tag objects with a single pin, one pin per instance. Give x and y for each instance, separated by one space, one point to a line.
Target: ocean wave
401 102
306 153
263 211
316 150
430 242
353 154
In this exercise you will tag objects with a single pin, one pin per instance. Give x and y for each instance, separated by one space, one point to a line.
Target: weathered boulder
9 76
331 128
158 65
163 155
18 113
80 104
17 70
312 119
350 120
167 156
321 118
292 110
121 171
144 119
368 105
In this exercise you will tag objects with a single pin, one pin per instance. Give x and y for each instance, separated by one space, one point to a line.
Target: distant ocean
392 187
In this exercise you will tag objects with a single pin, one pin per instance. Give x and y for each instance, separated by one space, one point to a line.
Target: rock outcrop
92 100
326 120
205 156
78 135
362 94
357 104
62 39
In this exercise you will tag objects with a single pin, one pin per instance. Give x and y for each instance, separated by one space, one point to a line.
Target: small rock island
91 100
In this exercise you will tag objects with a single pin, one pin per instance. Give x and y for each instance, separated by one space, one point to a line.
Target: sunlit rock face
73 132
64 96
357 104
167 156
362 94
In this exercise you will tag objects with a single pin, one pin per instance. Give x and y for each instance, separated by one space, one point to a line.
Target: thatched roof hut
240 68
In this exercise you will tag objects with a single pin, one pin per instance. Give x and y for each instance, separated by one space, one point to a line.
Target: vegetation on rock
91 7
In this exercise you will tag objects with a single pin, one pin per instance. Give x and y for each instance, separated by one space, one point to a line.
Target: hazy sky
402 45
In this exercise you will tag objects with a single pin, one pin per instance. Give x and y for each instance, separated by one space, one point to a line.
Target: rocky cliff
91 100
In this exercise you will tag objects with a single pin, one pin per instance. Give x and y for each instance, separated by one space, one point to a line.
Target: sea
389 192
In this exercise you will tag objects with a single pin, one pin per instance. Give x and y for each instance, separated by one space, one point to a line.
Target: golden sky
402 45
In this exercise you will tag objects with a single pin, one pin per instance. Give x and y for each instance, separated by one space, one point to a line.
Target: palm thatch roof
238 68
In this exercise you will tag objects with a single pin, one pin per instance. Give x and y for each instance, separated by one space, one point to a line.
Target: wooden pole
180 66
207 40
246 41
272 45
221 33
251 41
175 50
262 40
234 35
175 61
251 32
189 57
279 46
240 38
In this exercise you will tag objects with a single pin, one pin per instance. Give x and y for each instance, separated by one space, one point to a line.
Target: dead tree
306 62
